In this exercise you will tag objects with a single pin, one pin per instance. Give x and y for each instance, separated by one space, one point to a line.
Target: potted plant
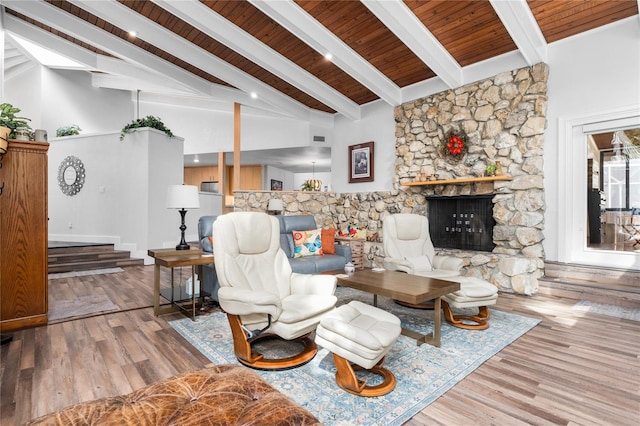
70 130
148 121
491 170
9 122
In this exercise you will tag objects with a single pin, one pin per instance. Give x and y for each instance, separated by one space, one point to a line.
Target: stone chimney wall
503 118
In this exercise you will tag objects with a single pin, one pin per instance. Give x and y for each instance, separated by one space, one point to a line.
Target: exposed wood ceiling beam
128 75
219 28
521 25
56 18
408 28
306 28
149 31
122 74
149 63
48 41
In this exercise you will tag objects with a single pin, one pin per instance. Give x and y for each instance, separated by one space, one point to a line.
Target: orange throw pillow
328 241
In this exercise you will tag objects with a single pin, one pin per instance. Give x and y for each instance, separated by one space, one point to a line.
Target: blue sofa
209 283
309 264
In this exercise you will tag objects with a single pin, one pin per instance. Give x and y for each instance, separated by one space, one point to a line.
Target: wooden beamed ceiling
277 49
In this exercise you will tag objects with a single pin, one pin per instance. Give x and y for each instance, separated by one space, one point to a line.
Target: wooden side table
357 250
172 258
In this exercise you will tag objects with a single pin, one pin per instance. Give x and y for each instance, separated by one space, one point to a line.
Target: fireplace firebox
463 222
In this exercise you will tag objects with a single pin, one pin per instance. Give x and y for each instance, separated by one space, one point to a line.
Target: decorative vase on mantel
498 171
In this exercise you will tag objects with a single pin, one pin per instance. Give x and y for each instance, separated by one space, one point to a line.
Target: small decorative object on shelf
22 134
491 170
455 146
498 169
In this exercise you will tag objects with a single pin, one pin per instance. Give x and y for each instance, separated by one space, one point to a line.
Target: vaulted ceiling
273 55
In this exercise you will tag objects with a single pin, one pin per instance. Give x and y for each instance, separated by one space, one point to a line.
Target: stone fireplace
503 120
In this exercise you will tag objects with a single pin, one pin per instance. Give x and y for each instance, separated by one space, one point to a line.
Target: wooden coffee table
406 288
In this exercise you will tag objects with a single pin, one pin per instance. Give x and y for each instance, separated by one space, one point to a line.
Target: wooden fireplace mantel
458 181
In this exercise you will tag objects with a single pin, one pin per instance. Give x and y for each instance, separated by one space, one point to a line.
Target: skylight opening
47 57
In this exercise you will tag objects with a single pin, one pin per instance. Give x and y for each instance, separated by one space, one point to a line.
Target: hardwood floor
574 368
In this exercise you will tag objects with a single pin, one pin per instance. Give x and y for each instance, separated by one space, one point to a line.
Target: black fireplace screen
464 222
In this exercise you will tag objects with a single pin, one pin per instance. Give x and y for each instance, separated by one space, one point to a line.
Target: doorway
613 190
579 177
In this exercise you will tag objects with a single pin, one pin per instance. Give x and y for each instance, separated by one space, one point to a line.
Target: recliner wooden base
346 378
250 358
481 321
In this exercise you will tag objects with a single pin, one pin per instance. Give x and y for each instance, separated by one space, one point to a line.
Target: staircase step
69 257
98 264
55 259
611 276
80 248
604 285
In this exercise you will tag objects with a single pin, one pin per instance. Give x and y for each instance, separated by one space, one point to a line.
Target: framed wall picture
361 162
276 185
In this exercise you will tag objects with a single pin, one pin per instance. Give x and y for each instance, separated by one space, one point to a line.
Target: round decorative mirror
71 175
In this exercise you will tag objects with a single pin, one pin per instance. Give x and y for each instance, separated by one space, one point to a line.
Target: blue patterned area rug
423 372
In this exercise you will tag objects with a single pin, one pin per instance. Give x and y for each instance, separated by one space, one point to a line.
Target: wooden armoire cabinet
23 235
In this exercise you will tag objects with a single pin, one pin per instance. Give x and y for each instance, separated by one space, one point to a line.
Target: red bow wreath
455 145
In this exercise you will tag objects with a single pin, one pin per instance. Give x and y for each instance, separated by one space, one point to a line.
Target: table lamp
275 205
183 197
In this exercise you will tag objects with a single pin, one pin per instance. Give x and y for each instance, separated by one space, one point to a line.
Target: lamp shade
183 197
275 204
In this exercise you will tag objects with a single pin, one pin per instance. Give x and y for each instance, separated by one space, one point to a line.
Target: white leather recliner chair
408 248
260 294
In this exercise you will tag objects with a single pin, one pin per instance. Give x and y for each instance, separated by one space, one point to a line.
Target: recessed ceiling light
133 33
328 56
254 95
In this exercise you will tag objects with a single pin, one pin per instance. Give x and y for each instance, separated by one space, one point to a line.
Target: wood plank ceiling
381 49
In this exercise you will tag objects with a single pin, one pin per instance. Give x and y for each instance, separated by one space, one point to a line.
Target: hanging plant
148 121
455 146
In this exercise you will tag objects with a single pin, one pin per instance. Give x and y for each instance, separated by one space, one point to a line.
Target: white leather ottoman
474 292
360 334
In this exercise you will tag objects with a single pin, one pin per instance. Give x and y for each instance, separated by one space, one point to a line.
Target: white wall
123 200
591 74
56 98
378 125
284 176
211 130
